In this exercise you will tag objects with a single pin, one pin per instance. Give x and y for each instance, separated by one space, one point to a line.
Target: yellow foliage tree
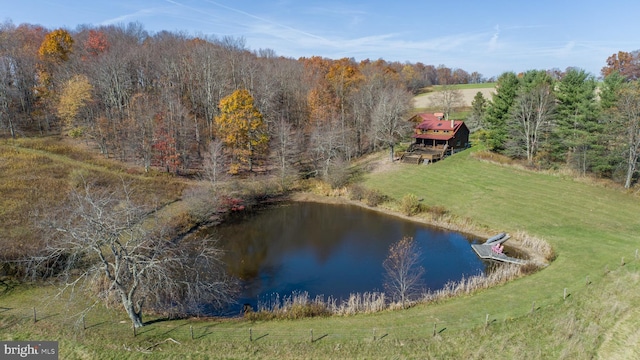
54 50
242 129
56 46
76 93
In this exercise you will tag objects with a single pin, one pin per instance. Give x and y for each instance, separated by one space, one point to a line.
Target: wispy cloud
273 30
493 43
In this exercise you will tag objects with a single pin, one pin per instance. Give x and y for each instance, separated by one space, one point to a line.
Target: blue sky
485 36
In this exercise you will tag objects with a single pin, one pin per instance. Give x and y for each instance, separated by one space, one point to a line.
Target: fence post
191 331
311 331
564 296
533 307
250 335
587 282
35 317
374 334
134 330
636 254
486 321
434 329
622 261
84 325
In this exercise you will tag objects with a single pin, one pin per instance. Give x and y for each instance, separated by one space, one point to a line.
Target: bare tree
629 123
117 249
285 146
215 162
448 98
403 271
533 113
389 119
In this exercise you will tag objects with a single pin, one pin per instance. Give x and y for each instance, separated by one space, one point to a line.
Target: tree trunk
135 316
631 167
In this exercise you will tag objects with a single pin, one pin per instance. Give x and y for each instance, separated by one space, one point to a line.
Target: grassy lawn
591 228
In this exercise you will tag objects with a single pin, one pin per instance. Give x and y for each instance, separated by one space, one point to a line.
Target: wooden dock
484 251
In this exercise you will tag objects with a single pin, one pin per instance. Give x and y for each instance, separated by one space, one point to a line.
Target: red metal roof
429 123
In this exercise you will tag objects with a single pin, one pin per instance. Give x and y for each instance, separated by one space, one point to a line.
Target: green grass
591 227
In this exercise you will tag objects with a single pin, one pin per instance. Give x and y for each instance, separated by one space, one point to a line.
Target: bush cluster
370 197
410 205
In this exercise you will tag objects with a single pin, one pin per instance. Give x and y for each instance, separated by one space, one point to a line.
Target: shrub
338 175
438 211
357 192
374 198
410 205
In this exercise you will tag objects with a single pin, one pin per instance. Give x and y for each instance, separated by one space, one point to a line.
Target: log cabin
434 131
436 137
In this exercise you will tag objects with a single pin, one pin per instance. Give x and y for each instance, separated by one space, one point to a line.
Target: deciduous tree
404 273
75 95
389 117
532 117
56 46
241 127
447 99
96 43
625 63
108 244
628 122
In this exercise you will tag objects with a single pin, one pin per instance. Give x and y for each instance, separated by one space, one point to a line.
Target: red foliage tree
166 152
96 43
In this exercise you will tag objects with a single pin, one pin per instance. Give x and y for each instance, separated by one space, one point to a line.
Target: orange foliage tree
56 46
241 127
625 63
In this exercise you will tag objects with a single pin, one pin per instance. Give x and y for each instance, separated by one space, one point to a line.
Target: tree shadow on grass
95 325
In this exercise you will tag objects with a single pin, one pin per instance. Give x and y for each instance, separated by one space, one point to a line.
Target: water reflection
332 250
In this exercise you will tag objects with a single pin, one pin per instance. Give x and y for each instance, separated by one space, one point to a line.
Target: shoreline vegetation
500 314
537 252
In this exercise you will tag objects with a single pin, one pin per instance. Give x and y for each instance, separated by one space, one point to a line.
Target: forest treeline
191 104
183 103
553 119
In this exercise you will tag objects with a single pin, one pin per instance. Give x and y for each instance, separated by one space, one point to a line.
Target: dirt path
424 101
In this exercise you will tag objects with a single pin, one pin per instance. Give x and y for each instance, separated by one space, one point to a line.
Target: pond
332 250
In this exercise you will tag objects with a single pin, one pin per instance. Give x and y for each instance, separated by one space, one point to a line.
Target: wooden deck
484 252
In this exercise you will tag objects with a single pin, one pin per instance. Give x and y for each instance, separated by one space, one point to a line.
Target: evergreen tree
498 111
577 130
608 152
475 121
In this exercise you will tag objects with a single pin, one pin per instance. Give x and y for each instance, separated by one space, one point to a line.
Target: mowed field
426 100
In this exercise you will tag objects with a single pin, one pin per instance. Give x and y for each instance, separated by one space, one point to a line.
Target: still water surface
332 250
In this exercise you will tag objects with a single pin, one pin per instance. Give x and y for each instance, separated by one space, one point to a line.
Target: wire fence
405 324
